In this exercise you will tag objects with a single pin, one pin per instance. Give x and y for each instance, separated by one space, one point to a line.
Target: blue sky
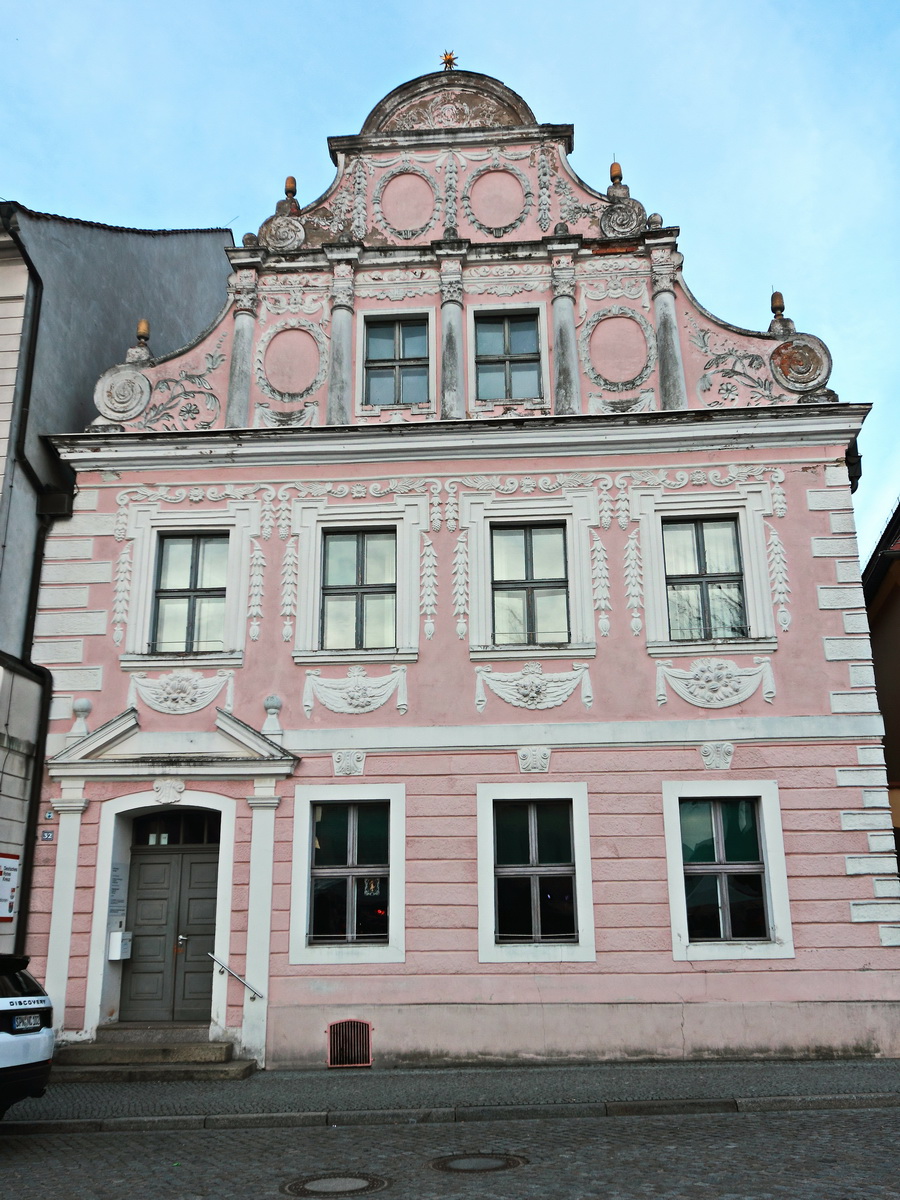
770 132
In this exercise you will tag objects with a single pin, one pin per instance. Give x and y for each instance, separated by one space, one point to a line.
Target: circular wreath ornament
584 343
801 363
384 183
262 379
623 218
122 393
497 231
282 234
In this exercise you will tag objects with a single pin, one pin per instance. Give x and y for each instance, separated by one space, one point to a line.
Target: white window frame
778 909
489 951
409 516
147 524
508 310
394 950
577 511
377 316
748 504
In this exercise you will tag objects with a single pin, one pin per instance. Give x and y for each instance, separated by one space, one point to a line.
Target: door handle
181 939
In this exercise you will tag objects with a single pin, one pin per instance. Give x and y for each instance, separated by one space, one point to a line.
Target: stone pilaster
453 367
664 263
566 376
262 804
340 365
242 289
70 806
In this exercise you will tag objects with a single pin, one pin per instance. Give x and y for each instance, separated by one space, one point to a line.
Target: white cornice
439 441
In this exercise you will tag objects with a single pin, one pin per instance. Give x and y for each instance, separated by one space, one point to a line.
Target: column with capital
453 391
566 378
340 365
263 804
242 289
664 263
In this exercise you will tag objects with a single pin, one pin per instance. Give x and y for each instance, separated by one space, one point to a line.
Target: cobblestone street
825 1155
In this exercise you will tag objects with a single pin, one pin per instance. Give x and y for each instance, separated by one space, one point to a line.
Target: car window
19 983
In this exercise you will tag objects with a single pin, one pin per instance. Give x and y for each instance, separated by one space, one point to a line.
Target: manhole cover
335 1185
477 1162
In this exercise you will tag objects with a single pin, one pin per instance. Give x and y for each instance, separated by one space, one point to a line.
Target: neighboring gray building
71 293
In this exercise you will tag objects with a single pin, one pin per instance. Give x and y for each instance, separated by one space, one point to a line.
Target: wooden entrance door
172 916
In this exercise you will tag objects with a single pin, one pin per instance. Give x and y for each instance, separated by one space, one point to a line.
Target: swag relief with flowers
715 682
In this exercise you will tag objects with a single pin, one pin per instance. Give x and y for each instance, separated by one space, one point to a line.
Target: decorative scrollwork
623 218
122 393
801 363
282 234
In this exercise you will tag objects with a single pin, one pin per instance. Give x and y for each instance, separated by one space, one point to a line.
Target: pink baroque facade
464 636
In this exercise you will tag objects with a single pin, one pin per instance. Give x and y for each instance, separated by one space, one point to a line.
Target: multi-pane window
529 584
534 871
724 874
359 590
349 873
704 581
396 368
189 601
507 358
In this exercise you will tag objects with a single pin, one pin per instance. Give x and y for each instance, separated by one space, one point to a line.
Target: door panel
196 921
171 893
147 978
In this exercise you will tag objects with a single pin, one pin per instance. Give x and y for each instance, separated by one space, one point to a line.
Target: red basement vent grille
350 1044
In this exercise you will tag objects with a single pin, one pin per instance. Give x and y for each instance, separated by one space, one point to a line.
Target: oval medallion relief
618 349
497 200
292 361
406 203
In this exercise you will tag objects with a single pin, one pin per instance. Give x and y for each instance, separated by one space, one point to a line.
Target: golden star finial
448 58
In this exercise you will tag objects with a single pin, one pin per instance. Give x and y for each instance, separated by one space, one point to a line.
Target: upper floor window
396 362
530 585
507 358
189 600
704 580
359 589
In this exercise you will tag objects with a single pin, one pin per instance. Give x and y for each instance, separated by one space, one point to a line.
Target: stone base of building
449 1035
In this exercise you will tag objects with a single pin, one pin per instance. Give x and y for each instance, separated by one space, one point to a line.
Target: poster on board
9 882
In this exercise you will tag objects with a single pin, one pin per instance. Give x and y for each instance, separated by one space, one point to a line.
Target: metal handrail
222 967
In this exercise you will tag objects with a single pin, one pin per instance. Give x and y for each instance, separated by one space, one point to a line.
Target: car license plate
27 1020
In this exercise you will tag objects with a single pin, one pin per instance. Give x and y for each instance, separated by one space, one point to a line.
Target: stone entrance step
153 1072
133 1051
101 1054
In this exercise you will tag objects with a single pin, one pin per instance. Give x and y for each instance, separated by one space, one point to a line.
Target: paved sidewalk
348 1097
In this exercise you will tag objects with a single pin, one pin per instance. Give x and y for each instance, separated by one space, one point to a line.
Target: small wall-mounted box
119 945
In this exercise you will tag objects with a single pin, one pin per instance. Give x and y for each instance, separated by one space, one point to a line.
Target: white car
26 1033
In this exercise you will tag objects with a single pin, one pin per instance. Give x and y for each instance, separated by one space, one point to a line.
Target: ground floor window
728 890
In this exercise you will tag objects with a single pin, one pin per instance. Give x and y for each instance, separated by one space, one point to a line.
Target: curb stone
417 1116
